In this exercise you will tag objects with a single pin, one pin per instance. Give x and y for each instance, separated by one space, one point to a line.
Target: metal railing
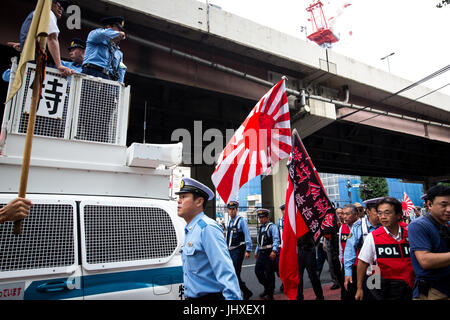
79 107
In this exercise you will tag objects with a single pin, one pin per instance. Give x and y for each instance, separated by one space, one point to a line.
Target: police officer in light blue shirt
76 53
103 57
208 269
239 243
266 253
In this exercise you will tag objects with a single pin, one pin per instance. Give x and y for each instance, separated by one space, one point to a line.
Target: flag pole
37 87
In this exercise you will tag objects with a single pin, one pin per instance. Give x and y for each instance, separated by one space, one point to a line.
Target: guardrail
79 107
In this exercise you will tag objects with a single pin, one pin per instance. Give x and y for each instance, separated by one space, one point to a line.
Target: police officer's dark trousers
265 270
237 255
307 260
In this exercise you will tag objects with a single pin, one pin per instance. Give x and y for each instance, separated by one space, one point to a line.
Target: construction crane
322 29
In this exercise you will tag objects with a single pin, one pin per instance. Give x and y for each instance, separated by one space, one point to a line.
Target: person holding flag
307 210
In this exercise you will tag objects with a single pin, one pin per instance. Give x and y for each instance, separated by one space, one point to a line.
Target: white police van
102 225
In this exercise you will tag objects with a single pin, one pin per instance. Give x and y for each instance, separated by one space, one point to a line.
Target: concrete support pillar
203 174
279 182
267 195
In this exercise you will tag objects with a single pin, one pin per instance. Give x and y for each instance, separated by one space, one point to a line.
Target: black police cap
114 21
77 43
262 213
233 205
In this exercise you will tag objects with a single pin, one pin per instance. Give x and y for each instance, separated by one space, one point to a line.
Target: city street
249 277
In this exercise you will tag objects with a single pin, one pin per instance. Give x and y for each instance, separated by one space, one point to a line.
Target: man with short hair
388 248
355 240
350 216
52 39
430 247
76 54
239 243
208 269
266 253
103 56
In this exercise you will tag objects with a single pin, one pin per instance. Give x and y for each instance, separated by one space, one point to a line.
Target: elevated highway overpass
189 62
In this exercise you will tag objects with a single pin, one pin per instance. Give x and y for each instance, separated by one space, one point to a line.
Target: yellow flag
39 27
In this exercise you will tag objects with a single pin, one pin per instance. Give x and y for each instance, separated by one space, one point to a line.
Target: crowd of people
374 256
99 55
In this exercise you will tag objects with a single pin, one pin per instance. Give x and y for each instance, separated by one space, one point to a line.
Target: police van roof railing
79 107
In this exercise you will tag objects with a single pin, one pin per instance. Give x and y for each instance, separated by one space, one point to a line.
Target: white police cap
189 185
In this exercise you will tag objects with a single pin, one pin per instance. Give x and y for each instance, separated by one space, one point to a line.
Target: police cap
114 21
77 43
233 205
262 212
189 185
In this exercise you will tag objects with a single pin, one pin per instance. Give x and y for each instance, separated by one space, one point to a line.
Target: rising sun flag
260 142
407 205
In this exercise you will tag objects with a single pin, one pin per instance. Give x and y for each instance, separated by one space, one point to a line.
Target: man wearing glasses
388 248
54 59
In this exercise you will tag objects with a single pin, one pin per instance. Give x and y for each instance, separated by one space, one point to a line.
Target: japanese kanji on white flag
260 142
407 205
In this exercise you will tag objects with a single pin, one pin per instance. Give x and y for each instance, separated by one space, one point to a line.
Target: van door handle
55 286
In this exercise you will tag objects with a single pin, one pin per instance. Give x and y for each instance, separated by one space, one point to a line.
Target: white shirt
53 26
368 253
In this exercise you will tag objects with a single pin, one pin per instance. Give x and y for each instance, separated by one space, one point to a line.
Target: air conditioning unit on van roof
152 155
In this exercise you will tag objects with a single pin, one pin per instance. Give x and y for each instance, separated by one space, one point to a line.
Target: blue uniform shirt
6 75
207 265
424 236
273 232
72 65
243 227
97 50
352 244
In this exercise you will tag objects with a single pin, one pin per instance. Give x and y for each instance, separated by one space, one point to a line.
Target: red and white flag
407 205
307 208
260 142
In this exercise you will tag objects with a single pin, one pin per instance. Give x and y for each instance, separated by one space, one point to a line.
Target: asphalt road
249 277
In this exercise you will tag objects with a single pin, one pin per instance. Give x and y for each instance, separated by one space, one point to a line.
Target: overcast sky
415 30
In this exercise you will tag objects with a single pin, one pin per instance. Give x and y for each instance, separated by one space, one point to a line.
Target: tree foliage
373 187
443 3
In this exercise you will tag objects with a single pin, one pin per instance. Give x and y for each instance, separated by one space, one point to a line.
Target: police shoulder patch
202 224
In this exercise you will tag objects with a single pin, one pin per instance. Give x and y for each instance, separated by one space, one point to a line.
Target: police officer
239 243
103 56
208 269
76 54
388 248
266 253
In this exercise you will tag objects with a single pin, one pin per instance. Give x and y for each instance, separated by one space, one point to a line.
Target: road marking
248 265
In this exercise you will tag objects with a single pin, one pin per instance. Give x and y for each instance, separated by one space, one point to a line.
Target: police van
102 224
